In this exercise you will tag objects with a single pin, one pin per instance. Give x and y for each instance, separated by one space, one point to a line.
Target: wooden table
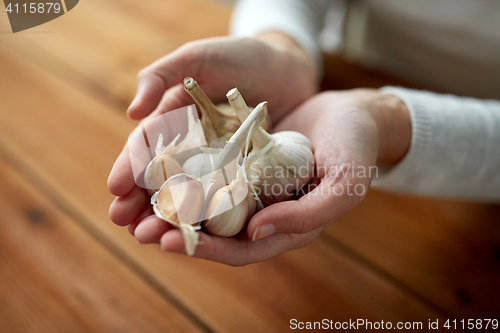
64 267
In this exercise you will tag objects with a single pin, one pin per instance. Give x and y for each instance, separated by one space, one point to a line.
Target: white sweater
448 45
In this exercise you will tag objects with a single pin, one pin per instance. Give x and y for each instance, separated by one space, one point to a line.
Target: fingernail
133 104
263 231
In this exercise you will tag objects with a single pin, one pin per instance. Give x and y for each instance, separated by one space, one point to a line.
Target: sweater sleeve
300 19
455 147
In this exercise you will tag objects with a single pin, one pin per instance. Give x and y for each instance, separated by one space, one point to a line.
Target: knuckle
143 73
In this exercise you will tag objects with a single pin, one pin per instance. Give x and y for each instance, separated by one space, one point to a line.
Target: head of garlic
280 163
284 167
181 199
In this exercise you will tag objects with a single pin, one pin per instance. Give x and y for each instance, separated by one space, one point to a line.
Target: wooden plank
55 277
447 251
101 45
66 142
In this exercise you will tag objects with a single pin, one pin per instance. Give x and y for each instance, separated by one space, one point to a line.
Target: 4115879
472 324
34 8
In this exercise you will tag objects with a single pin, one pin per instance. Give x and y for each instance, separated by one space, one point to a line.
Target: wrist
394 124
284 42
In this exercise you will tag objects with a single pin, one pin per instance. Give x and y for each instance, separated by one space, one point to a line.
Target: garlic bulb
164 164
230 208
280 163
219 124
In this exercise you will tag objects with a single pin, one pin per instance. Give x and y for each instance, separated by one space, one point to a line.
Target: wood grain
55 277
62 97
65 142
446 251
102 45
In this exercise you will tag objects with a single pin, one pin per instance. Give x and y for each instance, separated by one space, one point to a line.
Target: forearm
287 43
393 121
454 150
301 20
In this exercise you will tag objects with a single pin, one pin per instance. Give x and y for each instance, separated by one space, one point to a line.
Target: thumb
313 211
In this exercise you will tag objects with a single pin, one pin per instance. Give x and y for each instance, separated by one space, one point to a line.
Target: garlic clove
223 219
159 170
180 201
228 211
162 166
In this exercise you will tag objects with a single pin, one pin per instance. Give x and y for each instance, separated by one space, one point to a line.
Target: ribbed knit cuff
455 147
251 18
421 139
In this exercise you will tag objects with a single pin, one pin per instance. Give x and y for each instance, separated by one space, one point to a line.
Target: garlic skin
229 210
194 138
164 164
180 201
280 163
219 122
202 166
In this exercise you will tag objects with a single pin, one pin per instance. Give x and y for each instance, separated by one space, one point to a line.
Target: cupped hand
345 138
273 69
262 70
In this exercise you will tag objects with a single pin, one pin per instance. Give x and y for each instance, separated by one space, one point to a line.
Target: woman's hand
272 68
349 132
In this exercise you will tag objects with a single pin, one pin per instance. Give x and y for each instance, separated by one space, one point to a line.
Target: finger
175 98
155 79
315 210
151 229
235 252
121 178
147 211
124 210
150 89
